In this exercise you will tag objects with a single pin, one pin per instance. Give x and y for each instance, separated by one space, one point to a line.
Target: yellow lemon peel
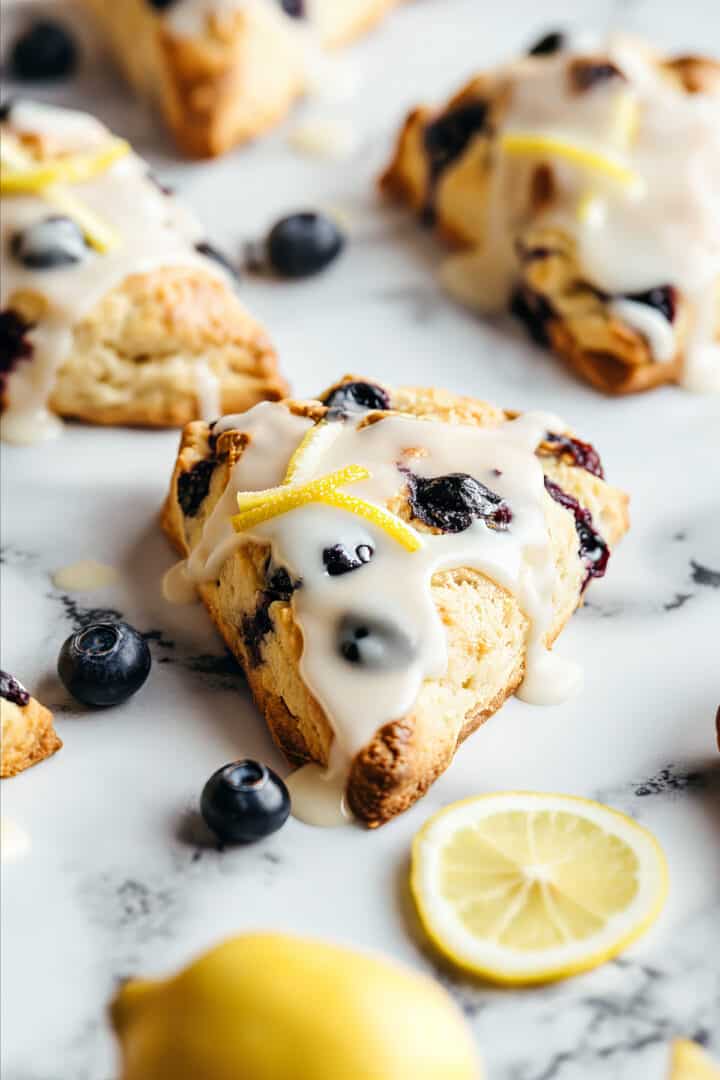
34 178
312 438
528 143
390 523
101 236
257 507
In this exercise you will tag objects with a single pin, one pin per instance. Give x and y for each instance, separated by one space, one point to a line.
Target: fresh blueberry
54 241
45 51
372 643
303 244
355 397
104 663
548 44
338 560
12 690
452 502
244 802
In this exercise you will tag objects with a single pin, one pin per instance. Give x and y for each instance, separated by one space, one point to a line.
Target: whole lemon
274 1007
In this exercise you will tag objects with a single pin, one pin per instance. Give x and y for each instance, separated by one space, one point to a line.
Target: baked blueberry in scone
389 565
115 309
582 189
224 71
28 735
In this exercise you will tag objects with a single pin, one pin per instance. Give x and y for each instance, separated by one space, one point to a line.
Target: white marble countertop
116 881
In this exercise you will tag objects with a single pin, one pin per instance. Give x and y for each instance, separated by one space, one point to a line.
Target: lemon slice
688 1061
521 887
33 179
530 144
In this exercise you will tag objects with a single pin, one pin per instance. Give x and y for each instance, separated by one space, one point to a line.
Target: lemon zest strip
528 143
309 438
390 523
98 233
259 506
34 178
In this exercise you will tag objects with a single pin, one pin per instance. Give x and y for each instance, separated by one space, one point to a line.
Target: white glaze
178 587
155 231
664 230
394 586
85 576
318 797
651 323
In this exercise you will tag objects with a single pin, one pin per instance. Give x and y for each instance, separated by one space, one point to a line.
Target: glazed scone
28 735
553 176
115 309
225 71
391 611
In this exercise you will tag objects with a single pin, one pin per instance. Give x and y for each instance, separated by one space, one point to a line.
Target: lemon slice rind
516 967
74 169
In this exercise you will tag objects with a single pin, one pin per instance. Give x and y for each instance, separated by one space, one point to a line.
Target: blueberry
548 44
54 241
355 397
45 51
373 643
338 560
161 5
452 502
446 138
12 690
582 454
104 663
194 485
295 8
663 298
303 244
585 74
592 548
14 343
244 801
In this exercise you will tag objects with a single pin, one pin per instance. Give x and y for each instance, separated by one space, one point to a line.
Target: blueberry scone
28 735
114 308
389 565
224 71
582 189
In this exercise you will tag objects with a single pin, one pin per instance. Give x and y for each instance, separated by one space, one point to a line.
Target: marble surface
118 878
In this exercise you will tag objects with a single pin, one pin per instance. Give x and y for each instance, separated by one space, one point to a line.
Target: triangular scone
353 656
225 73
552 176
115 309
28 735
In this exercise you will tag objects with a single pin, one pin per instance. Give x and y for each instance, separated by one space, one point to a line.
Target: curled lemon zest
34 178
390 523
529 143
257 507
99 235
313 437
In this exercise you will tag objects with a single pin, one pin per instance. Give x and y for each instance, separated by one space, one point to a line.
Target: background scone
28 735
115 309
223 72
384 612
553 176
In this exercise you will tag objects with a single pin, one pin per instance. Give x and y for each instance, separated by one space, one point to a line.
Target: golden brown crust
485 626
236 79
559 305
28 736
